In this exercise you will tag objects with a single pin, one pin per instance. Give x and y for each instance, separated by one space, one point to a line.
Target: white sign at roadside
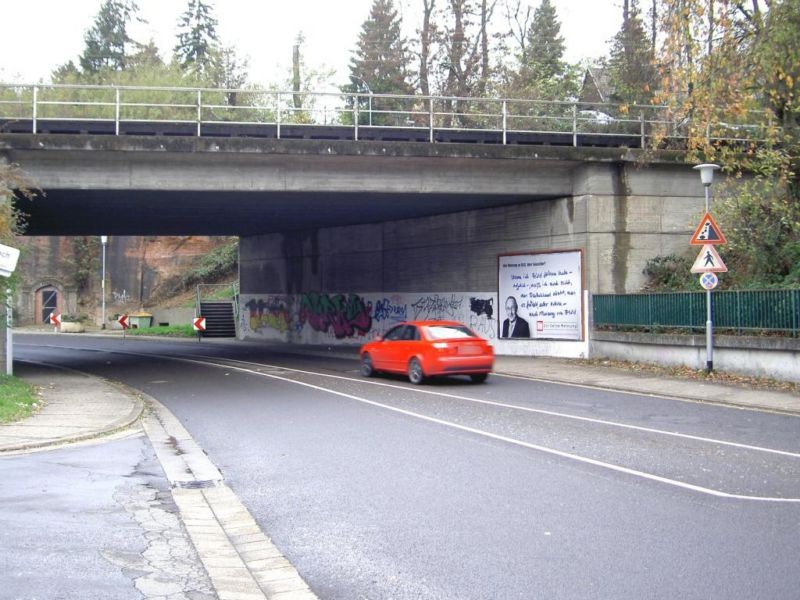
8 260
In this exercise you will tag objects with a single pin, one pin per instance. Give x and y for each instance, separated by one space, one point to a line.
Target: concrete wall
774 358
620 215
633 214
351 319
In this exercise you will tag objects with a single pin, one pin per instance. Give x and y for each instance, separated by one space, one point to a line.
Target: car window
395 333
411 333
439 332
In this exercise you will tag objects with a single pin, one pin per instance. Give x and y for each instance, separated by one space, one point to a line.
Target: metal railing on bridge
736 312
43 108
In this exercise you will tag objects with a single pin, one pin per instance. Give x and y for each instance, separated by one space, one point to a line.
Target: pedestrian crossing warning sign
708 232
709 261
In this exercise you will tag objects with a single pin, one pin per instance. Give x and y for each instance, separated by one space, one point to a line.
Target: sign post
708 234
8 262
55 321
199 325
123 321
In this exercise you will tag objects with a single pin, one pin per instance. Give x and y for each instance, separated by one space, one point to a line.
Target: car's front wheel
367 370
478 377
415 373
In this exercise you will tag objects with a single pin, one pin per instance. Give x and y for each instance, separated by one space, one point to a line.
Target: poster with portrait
541 295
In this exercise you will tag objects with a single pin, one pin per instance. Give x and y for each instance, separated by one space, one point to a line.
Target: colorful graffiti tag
271 313
317 318
344 315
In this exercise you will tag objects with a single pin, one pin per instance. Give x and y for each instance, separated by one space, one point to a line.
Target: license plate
469 350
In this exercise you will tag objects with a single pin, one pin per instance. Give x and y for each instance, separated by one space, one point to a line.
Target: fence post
505 120
575 125
35 106
356 100
278 113
199 110
738 313
116 115
430 119
644 137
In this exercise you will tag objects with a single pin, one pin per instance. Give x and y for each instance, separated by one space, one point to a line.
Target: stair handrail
201 292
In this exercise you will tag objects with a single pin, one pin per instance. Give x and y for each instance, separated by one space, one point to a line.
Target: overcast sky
39 35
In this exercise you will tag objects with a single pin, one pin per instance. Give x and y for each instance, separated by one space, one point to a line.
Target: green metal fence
750 311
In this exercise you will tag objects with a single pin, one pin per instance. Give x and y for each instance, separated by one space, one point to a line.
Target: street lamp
103 241
707 177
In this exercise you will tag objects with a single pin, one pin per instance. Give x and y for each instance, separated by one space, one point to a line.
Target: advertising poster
540 295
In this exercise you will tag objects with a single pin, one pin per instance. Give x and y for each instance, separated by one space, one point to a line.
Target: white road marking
544 449
570 456
528 409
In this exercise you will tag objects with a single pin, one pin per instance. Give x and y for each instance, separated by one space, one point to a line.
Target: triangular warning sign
708 232
709 261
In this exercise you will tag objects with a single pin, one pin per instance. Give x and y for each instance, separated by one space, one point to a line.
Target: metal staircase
219 311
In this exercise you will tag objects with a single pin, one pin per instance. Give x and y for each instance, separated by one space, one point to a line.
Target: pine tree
198 45
632 70
543 73
542 59
108 42
380 64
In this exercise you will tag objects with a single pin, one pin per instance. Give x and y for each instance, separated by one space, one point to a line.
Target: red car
421 349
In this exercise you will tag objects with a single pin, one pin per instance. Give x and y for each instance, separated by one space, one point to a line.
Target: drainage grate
197 485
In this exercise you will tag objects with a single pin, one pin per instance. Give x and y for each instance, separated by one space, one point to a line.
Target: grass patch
17 399
166 331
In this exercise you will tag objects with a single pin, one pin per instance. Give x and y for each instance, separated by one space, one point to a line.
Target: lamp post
707 177
103 241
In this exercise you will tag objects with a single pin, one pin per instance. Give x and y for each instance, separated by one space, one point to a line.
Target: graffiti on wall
390 309
122 297
271 313
436 307
317 318
343 315
481 319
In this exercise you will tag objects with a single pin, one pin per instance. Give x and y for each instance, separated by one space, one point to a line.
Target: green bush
669 273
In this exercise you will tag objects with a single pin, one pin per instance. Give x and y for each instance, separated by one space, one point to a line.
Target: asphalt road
510 489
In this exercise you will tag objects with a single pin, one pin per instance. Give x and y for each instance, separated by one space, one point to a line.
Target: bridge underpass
174 186
367 220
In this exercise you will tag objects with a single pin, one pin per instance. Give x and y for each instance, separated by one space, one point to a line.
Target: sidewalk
575 372
76 407
240 561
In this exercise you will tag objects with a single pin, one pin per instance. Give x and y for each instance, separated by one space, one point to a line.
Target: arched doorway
47 302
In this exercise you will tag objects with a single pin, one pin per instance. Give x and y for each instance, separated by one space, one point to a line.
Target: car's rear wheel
415 373
367 370
478 377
